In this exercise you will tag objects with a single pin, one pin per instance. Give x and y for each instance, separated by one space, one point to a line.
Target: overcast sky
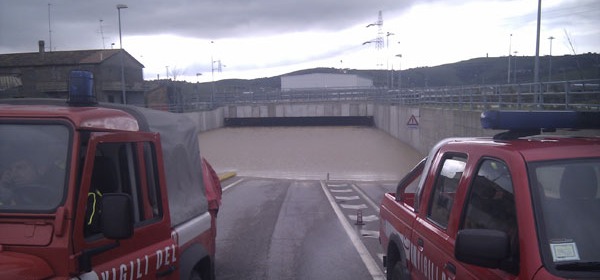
264 38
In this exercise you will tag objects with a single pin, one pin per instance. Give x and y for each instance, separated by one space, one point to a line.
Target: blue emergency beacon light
81 89
527 123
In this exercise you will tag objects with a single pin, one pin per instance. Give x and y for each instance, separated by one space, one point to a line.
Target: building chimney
41 46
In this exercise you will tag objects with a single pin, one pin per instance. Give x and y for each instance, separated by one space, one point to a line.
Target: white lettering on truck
139 267
169 256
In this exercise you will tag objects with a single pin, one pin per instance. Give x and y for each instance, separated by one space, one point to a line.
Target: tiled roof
58 58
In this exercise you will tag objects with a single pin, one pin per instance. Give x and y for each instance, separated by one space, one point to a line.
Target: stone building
46 74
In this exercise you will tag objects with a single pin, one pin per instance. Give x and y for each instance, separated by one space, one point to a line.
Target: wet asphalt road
292 210
289 229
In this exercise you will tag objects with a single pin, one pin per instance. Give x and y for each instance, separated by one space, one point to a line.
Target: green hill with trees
484 70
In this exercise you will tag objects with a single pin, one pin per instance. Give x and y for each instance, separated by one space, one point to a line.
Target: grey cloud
76 24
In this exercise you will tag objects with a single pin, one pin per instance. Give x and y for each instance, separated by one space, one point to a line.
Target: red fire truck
516 206
102 191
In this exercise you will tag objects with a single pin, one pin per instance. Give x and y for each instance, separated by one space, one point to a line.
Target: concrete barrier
419 127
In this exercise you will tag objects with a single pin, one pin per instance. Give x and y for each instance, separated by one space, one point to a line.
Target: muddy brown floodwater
345 153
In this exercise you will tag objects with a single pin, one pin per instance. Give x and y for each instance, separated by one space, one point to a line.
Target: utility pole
536 70
509 50
515 71
550 60
49 29
102 34
387 59
399 71
123 97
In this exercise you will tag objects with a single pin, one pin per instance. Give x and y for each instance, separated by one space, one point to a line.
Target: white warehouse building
324 81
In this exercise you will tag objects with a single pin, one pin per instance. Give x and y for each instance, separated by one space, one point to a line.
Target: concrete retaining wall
333 109
207 120
421 128
428 126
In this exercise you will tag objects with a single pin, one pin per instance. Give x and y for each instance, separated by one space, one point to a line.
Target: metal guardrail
566 95
560 95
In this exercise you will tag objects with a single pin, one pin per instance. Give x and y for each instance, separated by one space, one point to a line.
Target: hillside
485 70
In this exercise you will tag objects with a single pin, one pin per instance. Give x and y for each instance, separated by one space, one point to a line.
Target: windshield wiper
581 266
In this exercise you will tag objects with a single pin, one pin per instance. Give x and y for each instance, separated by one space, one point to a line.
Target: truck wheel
202 273
397 272
197 275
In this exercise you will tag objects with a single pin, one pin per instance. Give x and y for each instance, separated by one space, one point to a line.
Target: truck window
442 197
491 202
567 204
152 180
33 166
119 169
491 205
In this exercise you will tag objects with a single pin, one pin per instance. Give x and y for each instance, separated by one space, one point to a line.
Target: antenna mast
102 34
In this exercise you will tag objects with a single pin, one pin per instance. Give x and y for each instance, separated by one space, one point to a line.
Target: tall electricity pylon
378 41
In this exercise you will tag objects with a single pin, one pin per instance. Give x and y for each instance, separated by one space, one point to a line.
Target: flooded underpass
291 211
340 152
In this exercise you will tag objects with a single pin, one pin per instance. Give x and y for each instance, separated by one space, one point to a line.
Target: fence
561 95
566 95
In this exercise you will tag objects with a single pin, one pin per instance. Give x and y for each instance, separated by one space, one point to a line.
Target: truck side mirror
117 216
482 247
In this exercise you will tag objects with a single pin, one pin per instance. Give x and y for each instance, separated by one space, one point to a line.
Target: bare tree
176 72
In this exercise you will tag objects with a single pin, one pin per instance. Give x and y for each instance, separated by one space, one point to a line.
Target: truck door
490 205
124 163
431 244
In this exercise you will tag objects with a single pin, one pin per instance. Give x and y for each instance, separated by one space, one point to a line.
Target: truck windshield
32 166
568 211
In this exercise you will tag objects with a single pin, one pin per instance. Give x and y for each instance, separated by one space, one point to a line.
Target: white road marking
367 259
354 197
336 185
341 191
366 197
232 184
354 206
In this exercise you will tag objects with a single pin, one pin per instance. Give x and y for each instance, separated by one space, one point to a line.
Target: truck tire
203 271
396 269
397 272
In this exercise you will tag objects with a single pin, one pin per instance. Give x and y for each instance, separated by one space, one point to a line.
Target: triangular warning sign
412 121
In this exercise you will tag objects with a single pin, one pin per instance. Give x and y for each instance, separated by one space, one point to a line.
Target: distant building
319 81
46 74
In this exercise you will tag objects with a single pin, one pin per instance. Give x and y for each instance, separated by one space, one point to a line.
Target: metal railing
564 95
560 95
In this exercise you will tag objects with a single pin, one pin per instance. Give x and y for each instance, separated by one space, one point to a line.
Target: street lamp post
509 49
550 60
387 50
399 71
119 7
515 71
212 73
536 67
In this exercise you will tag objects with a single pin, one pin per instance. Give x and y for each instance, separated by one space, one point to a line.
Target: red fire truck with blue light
520 205
102 191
